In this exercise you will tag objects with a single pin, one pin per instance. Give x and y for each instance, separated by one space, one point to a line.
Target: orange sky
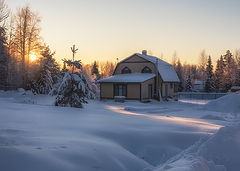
106 30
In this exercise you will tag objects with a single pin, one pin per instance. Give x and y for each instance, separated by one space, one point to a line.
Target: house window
120 90
171 85
146 70
126 70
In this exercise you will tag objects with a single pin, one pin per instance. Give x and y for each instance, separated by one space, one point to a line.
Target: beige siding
144 88
135 58
170 90
106 90
133 91
135 67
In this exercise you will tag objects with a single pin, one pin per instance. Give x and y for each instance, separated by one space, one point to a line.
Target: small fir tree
74 89
189 84
95 71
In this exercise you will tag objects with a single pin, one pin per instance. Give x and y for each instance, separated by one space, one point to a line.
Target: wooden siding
133 91
135 64
144 89
106 90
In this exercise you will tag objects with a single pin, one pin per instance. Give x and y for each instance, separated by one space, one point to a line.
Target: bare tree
27 37
202 64
174 59
237 57
4 12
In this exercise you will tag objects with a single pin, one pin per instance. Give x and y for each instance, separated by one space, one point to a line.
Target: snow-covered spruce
189 83
48 75
74 88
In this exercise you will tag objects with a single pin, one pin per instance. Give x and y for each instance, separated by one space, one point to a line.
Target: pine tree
3 59
230 70
209 87
219 75
74 88
48 75
95 71
189 83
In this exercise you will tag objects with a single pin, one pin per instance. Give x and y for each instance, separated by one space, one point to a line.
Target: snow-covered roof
166 70
128 78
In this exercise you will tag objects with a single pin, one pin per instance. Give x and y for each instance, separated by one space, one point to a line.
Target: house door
166 91
150 91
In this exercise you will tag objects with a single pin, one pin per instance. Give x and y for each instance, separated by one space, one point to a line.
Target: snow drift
219 152
228 103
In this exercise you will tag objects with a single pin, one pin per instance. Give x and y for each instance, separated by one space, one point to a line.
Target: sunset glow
33 57
179 120
116 29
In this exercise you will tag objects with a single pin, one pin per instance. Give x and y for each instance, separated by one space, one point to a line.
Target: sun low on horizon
33 57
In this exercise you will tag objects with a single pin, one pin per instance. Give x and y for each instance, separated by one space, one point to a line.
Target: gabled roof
166 70
128 78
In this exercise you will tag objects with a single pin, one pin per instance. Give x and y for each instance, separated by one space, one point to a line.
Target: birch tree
27 37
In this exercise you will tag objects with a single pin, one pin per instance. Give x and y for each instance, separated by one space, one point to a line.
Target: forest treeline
27 61
219 78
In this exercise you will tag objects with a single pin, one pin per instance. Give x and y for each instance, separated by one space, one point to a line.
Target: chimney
144 52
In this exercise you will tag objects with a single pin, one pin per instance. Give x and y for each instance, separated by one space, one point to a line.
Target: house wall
133 91
144 88
171 92
106 90
135 64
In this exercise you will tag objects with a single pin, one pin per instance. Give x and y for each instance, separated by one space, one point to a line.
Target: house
199 85
141 77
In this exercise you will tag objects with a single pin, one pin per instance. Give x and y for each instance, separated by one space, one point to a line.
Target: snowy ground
109 136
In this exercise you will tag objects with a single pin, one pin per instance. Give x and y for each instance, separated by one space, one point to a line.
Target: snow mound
219 152
229 103
212 117
190 162
224 147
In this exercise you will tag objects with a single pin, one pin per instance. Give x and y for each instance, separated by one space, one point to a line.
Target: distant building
198 85
141 77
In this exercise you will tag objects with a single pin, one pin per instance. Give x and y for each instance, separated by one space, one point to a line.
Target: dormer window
126 70
146 70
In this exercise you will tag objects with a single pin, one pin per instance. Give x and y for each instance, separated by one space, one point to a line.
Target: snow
219 152
166 70
194 101
128 78
105 135
228 103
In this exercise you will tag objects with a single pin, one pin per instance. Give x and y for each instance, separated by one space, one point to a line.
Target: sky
110 29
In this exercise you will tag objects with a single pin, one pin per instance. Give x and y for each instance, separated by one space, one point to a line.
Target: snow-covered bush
74 88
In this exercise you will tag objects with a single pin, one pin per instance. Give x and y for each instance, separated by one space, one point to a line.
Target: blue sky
110 29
